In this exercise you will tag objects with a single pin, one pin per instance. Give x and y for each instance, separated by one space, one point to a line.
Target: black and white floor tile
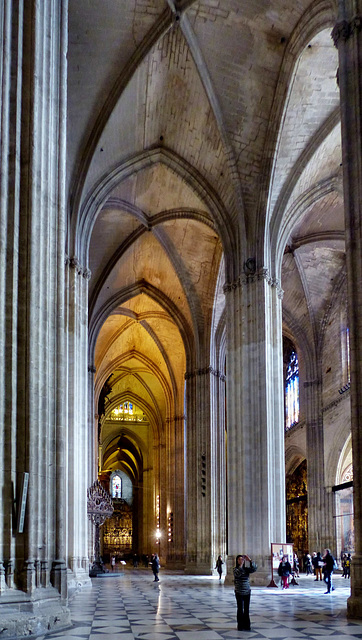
130 606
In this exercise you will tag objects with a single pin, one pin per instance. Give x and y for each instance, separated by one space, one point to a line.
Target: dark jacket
241 578
155 564
218 565
316 560
328 563
284 568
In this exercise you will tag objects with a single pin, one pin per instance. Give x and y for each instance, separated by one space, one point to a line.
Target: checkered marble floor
131 606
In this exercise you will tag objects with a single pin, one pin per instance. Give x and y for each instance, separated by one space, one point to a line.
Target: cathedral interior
180 288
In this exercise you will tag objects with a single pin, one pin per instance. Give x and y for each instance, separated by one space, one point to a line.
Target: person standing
243 590
284 570
155 563
113 563
319 566
218 566
296 565
308 564
328 569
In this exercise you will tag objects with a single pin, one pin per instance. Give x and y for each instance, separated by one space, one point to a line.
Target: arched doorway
343 492
121 464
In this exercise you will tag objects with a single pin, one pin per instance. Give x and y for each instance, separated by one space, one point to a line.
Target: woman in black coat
155 566
284 570
243 590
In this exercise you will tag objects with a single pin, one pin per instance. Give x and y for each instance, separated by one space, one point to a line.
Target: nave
131 606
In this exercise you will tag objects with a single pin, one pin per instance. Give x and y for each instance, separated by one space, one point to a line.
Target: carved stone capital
87 274
92 369
73 263
343 30
231 286
263 274
204 371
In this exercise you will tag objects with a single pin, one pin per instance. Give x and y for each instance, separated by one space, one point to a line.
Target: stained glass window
127 412
292 391
116 486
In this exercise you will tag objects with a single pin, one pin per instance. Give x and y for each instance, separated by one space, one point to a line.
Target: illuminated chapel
180 287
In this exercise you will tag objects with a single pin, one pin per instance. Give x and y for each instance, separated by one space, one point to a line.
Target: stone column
32 423
80 436
94 458
255 420
10 66
218 466
175 505
347 35
40 374
320 499
198 472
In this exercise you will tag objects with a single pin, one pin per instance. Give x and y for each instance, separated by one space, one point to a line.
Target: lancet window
116 486
292 391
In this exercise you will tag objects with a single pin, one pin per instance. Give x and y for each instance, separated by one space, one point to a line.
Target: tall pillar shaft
198 473
255 420
218 466
347 36
321 533
175 506
80 436
33 70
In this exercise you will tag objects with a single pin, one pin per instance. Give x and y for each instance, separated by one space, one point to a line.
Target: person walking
328 569
308 564
155 563
243 590
284 571
218 566
318 565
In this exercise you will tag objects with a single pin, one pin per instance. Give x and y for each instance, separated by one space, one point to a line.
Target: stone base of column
354 602
3 586
28 576
197 569
58 577
76 580
43 613
175 565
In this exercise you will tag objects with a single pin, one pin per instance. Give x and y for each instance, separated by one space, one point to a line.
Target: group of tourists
244 566
323 567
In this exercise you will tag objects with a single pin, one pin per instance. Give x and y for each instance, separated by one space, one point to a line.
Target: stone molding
92 369
346 387
205 371
73 263
175 419
311 383
249 277
336 402
343 30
